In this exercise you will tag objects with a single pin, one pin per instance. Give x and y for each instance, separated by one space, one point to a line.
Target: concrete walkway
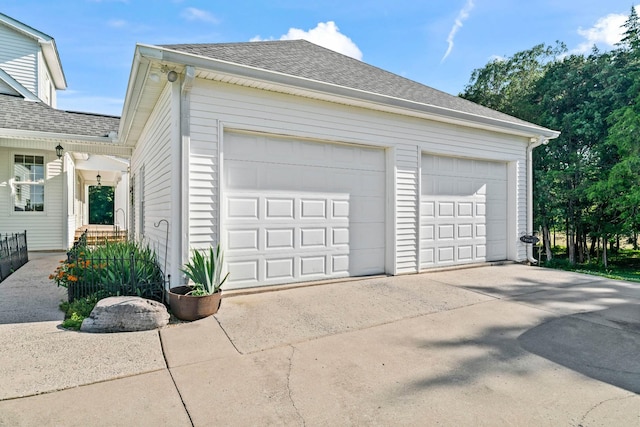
503 345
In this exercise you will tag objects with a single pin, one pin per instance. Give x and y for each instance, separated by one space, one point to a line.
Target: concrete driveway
499 345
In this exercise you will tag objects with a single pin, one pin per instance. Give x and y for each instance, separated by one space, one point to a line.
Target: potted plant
201 297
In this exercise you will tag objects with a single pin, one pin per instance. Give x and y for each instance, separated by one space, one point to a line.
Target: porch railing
13 253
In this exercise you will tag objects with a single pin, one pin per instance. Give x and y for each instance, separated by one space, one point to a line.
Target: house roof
48 44
304 59
302 68
18 114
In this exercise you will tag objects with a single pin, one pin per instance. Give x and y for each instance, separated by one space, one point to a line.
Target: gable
18 57
30 57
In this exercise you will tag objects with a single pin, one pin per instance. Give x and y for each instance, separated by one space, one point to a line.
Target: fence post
132 271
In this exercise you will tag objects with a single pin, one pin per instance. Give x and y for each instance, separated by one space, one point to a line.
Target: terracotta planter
187 307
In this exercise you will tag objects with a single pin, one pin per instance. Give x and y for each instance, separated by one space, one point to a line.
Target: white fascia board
30 134
137 78
69 145
52 59
377 101
15 85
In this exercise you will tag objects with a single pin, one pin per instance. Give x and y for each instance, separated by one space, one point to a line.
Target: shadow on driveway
604 345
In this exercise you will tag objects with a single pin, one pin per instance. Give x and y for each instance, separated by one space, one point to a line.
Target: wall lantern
59 150
99 178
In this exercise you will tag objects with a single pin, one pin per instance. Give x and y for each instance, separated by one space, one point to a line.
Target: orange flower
51 276
72 278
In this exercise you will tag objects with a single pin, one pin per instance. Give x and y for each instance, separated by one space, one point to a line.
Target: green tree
504 84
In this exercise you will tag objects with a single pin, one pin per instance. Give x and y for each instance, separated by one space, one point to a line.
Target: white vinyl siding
6 89
214 104
151 165
18 57
407 160
203 180
45 229
46 91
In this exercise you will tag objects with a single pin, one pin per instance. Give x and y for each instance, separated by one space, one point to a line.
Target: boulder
126 314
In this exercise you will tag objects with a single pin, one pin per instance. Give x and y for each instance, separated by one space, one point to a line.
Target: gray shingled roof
301 58
16 113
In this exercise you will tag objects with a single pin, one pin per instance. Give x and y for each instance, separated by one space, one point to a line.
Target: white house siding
519 178
6 89
121 202
18 57
45 228
150 164
69 189
203 179
216 104
407 180
46 90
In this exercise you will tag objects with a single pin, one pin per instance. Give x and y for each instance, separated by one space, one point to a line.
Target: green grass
623 265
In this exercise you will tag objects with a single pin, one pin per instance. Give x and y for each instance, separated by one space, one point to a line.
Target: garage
463 211
300 210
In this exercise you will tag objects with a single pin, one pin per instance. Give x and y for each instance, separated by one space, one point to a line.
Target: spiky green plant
205 270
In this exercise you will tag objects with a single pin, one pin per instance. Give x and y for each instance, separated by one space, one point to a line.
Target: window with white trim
28 172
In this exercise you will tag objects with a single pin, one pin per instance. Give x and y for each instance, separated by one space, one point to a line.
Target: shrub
122 268
75 312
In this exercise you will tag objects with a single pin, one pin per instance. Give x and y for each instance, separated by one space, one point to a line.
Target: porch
100 234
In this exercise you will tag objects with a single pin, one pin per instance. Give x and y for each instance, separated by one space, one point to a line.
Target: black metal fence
13 253
118 275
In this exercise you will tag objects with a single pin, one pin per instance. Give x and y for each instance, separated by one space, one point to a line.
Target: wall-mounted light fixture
99 179
59 150
172 76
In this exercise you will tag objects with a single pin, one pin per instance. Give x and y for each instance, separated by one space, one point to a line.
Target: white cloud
497 58
325 34
463 15
606 32
193 14
117 23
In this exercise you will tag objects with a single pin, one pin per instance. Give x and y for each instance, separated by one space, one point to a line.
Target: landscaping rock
126 314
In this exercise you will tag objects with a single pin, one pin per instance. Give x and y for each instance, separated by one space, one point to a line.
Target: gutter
185 135
541 140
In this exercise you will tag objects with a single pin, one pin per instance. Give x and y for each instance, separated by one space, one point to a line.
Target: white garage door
300 210
463 212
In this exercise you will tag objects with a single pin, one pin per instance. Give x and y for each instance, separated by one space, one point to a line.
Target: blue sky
434 42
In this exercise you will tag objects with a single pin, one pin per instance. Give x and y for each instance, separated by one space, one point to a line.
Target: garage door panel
367 236
305 219
279 238
240 175
463 211
242 207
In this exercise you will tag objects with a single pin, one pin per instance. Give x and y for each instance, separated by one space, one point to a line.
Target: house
44 190
306 164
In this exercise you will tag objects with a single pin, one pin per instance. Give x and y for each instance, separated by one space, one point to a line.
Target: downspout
532 144
185 133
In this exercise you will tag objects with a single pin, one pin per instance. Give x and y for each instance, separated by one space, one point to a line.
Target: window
28 173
